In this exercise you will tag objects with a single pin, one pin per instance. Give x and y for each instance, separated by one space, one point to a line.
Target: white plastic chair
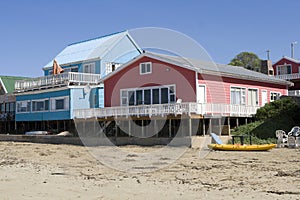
281 138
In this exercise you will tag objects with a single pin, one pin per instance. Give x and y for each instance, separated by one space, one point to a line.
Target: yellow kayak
237 147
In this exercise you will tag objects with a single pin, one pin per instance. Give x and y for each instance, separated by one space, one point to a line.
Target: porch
191 109
289 76
56 80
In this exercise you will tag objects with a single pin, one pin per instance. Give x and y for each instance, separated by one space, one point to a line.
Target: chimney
266 67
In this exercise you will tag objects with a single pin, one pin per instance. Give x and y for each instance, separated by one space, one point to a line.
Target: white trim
21 102
151 94
274 92
239 87
145 64
53 103
72 63
262 101
3 86
252 88
205 90
40 100
284 65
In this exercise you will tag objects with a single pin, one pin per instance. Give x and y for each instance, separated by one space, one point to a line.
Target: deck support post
237 122
190 126
155 128
228 123
170 128
204 127
143 134
220 126
129 128
210 128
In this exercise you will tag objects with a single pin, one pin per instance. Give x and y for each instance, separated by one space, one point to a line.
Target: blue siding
46 115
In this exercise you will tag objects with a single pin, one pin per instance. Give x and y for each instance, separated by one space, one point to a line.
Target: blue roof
87 49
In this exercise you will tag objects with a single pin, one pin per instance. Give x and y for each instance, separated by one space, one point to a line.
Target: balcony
188 108
294 93
57 80
289 76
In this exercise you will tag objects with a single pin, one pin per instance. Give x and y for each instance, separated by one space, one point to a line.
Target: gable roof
207 67
89 49
288 58
8 83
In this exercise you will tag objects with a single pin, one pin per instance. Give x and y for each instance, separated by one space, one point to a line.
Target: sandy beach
44 171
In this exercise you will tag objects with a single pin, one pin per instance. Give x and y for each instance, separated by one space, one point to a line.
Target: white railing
58 79
188 108
289 76
294 92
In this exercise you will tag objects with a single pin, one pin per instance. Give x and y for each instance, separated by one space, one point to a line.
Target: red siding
218 89
162 74
295 66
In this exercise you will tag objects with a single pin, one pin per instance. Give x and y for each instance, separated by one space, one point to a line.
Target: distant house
7 102
48 102
289 69
159 87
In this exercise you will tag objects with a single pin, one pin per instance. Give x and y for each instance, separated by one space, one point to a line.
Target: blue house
48 102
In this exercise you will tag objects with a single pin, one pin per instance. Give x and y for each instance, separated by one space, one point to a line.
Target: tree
247 60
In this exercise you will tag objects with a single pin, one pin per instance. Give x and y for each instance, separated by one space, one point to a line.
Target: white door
201 94
264 97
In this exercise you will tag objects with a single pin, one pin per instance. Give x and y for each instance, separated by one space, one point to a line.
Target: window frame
242 89
28 108
124 93
257 92
44 106
278 72
271 95
146 70
53 103
91 68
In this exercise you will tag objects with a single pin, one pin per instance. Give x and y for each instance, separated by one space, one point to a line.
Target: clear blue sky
33 32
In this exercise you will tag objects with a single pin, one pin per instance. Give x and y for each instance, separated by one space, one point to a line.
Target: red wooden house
201 96
289 69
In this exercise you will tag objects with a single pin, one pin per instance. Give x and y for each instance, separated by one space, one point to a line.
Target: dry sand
44 171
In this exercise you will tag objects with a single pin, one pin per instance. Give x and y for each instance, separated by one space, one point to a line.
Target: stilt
143 134
210 128
117 129
129 128
237 122
228 124
155 128
170 128
190 126
220 126
204 127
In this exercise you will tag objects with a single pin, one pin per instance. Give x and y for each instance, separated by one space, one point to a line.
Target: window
71 69
274 96
237 96
145 68
111 66
284 69
89 68
40 105
60 103
252 97
23 106
149 95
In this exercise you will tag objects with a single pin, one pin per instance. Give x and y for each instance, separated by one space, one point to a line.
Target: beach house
180 95
289 69
7 103
47 102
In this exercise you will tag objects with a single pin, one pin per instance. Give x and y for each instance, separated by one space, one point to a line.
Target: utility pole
268 54
292 48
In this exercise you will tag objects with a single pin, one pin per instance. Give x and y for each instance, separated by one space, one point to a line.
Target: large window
284 69
145 68
237 96
274 96
40 105
89 68
59 103
23 106
149 95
